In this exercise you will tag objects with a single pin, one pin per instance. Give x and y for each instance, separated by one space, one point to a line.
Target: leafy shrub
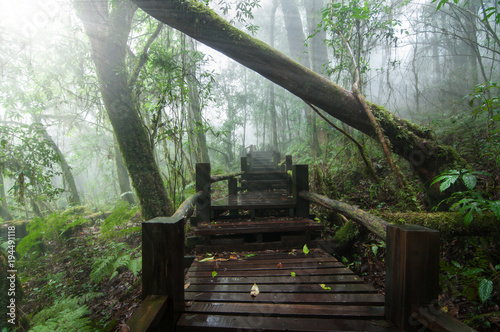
113 225
67 314
118 255
469 201
41 231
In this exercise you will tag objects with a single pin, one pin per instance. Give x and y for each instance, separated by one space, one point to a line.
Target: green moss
346 234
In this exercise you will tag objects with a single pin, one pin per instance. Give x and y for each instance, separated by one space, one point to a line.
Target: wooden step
252 227
322 296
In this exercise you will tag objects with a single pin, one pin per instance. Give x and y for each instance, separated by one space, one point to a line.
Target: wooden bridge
260 278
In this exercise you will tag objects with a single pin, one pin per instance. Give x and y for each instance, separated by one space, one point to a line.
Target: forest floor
67 266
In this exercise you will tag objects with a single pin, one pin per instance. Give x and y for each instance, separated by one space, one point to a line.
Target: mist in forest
195 104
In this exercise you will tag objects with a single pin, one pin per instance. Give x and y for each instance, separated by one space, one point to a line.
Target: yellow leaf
255 290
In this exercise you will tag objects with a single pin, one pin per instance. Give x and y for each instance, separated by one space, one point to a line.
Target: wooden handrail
376 225
217 178
186 209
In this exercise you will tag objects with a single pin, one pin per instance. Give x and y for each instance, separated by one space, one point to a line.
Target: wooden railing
163 270
412 259
412 269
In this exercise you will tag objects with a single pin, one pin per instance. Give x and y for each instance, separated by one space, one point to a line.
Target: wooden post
412 280
288 167
233 191
300 182
244 168
203 184
163 264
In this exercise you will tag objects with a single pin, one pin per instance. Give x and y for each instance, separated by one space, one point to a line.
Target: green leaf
469 180
495 207
485 289
448 181
250 255
305 249
207 259
472 272
214 274
468 217
325 287
292 274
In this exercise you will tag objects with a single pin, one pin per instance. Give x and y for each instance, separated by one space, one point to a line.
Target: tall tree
298 51
414 143
108 25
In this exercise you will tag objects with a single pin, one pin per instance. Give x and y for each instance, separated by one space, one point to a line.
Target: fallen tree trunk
412 142
375 224
450 224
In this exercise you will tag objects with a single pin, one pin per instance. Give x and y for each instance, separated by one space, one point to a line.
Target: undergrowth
68 262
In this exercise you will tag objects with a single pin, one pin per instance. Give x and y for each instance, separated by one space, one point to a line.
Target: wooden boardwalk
322 294
298 291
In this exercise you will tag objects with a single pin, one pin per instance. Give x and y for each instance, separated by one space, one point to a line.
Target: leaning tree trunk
413 142
74 197
108 31
123 178
4 207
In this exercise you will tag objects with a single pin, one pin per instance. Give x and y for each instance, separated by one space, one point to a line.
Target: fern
67 314
121 214
118 256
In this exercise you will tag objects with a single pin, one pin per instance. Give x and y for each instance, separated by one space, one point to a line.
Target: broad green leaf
485 289
469 180
250 255
495 207
305 249
448 181
214 274
456 264
292 274
472 272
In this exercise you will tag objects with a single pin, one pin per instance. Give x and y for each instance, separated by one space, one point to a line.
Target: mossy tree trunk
108 27
412 142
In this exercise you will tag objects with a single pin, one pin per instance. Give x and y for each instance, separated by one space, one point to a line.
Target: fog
415 60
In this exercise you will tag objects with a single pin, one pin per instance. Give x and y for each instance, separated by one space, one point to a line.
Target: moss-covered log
217 178
412 142
450 224
375 224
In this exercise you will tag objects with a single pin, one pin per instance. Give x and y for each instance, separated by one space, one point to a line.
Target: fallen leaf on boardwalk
255 290
187 285
325 287
292 274
221 260
250 255
214 274
280 265
305 249
233 257
207 259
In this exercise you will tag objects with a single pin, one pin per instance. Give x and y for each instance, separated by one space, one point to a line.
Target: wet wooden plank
262 265
272 272
282 288
316 298
287 279
249 228
275 309
237 323
254 200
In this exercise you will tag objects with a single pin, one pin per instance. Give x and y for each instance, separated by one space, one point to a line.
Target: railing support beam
203 185
300 183
412 279
163 264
